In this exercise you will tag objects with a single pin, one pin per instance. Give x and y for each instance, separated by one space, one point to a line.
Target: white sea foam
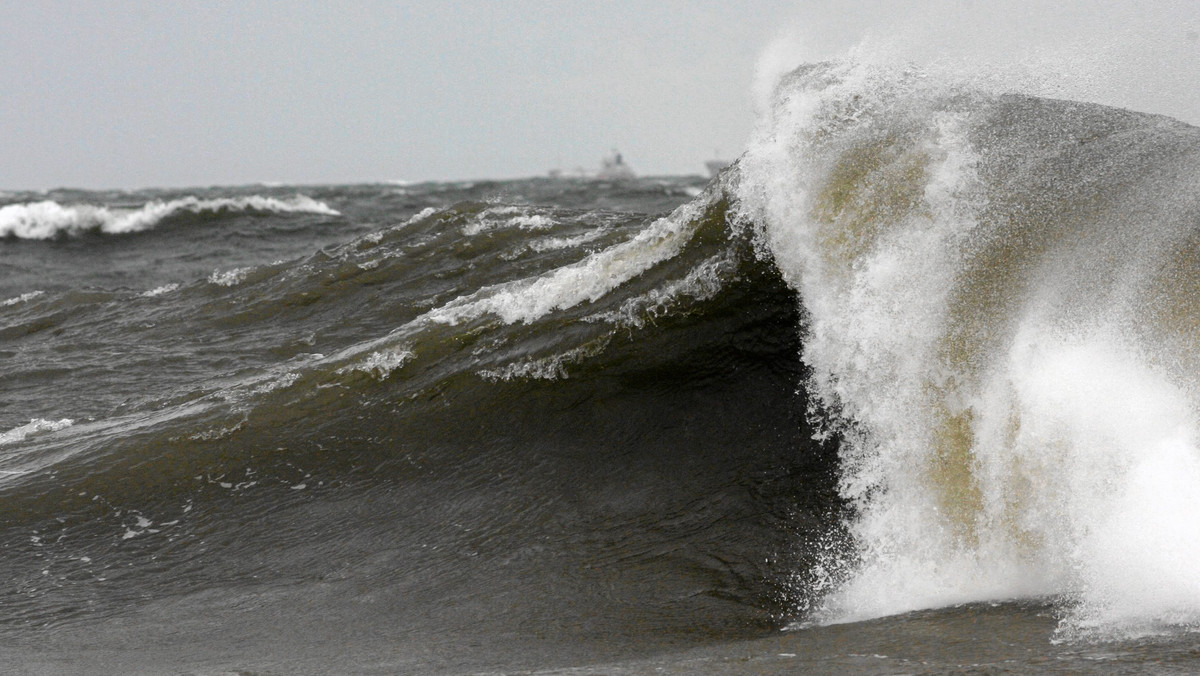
1014 427
381 364
528 299
419 216
32 428
554 243
23 298
231 277
504 218
140 526
277 383
47 219
553 367
701 283
160 290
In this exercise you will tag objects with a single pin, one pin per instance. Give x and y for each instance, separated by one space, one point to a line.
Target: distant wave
23 298
49 219
33 427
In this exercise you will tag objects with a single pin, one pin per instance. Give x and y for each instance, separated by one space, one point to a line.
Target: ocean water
910 388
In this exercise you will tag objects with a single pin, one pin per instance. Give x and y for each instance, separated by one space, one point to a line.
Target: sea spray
990 330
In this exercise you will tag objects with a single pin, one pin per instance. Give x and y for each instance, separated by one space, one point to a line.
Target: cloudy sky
136 94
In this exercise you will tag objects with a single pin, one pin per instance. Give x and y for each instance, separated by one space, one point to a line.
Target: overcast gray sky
135 94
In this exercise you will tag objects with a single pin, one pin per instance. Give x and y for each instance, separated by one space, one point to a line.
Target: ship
612 168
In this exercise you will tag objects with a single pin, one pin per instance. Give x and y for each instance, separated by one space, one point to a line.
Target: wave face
1001 296
555 419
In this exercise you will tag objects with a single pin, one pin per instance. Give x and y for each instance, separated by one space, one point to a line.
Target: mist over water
1123 54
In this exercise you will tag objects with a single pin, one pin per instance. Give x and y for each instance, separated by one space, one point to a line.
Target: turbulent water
1003 314
910 387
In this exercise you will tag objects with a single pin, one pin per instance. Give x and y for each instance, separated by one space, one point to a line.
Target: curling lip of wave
49 219
969 263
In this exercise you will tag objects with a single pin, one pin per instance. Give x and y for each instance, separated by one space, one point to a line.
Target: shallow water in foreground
996 638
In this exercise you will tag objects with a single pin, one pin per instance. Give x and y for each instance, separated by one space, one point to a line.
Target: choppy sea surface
912 387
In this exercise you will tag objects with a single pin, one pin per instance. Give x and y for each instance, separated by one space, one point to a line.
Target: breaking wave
49 219
924 343
1001 294
33 427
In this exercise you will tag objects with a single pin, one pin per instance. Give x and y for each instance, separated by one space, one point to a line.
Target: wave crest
49 219
33 427
997 330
